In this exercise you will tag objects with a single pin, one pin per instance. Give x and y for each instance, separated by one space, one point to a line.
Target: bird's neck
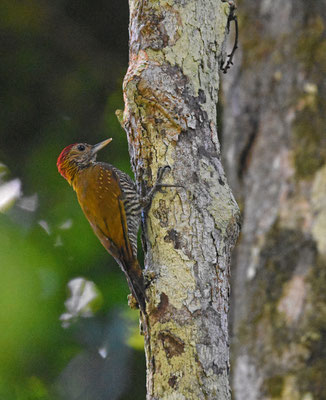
70 171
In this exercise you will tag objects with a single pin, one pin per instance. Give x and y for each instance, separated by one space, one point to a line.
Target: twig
224 66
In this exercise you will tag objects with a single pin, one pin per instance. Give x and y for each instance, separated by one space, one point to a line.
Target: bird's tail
136 283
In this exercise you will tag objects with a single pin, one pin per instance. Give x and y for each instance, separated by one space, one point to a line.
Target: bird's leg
146 201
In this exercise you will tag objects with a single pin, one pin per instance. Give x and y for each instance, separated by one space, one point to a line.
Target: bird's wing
102 202
101 198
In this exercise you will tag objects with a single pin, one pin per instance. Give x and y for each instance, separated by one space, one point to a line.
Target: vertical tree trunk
170 93
274 144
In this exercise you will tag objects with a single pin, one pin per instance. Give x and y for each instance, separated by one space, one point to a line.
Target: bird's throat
69 170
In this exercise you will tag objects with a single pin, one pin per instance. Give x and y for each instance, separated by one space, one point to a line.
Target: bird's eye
81 147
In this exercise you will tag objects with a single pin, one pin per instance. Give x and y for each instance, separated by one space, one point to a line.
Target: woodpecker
110 202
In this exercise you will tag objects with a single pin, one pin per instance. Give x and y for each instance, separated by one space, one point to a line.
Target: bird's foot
158 186
149 277
132 302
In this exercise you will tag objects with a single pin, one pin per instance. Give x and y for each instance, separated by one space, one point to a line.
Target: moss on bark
309 139
311 378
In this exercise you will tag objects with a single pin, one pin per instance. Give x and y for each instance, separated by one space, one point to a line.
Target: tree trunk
274 145
170 92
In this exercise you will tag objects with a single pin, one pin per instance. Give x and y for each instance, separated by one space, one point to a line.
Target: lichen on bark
170 91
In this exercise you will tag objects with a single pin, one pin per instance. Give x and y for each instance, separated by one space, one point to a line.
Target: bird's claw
132 302
161 172
158 186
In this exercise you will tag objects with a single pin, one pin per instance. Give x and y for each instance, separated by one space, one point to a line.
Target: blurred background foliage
61 71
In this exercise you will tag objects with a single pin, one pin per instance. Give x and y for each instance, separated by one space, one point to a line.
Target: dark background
61 71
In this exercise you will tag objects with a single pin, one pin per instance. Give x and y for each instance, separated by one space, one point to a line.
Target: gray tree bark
171 91
274 146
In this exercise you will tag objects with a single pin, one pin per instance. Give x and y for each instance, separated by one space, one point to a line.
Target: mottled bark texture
171 91
274 145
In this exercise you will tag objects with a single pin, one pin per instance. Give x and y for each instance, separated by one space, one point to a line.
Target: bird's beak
97 147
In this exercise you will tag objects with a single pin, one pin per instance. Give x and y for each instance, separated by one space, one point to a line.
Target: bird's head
77 156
